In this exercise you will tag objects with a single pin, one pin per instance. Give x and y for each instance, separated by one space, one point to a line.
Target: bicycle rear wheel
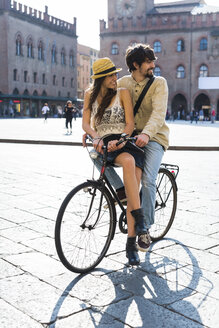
85 227
165 206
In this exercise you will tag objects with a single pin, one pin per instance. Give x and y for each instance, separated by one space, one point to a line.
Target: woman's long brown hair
105 101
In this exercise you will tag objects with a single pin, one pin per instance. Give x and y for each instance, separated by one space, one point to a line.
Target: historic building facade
85 58
185 37
38 60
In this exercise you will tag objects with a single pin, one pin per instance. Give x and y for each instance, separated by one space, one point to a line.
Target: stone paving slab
37 299
12 317
140 312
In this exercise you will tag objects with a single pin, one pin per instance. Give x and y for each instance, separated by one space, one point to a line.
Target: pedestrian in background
213 114
74 112
68 110
45 111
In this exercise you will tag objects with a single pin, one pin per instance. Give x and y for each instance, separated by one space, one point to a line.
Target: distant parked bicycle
86 221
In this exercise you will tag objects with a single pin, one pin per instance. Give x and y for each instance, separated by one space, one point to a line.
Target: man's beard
150 75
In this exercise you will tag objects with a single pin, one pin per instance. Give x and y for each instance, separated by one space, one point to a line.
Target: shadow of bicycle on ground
153 295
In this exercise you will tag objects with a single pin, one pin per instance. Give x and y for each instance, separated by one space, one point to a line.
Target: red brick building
38 60
185 37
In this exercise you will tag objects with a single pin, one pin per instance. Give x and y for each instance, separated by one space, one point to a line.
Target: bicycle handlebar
123 138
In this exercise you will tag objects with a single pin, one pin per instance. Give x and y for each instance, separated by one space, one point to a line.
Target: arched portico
179 107
202 102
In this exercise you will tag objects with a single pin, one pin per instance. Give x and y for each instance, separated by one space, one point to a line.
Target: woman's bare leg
131 177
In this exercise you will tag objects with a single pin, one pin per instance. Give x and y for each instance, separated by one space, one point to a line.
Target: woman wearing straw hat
108 110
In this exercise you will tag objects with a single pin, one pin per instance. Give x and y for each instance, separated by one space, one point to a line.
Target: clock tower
128 8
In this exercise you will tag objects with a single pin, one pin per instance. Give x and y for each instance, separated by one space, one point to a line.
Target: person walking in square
45 112
68 110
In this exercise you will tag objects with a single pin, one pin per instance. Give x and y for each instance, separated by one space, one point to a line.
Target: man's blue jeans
153 156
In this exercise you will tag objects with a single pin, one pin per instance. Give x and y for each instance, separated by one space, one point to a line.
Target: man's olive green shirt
150 118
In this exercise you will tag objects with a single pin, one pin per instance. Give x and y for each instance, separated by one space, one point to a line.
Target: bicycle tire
166 203
82 245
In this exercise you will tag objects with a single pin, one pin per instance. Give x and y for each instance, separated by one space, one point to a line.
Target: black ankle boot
131 251
140 226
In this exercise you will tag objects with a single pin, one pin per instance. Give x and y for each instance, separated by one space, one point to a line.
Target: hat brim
94 77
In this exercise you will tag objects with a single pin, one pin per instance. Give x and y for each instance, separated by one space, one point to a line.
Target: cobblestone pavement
176 284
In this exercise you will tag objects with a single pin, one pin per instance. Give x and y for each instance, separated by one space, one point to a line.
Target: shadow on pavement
153 294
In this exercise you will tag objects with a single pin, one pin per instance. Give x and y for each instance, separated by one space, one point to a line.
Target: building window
35 77
203 71
157 46
63 81
63 56
54 80
15 74
114 49
53 54
203 44
30 48
180 46
44 78
68 94
157 71
180 72
72 82
25 76
18 46
40 51
71 59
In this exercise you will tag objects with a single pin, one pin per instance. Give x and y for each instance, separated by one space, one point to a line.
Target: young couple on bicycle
108 110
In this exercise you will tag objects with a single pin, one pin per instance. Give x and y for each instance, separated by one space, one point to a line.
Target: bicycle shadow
150 294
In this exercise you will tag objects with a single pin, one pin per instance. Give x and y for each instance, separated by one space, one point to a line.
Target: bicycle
86 221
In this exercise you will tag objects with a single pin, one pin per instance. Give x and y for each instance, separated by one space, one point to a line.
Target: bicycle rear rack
174 169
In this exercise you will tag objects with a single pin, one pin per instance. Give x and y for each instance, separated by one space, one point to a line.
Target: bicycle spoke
85 227
165 207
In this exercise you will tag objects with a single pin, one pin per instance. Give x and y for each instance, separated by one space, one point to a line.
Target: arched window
180 72
30 48
180 46
18 46
53 54
157 71
114 49
40 51
63 81
157 46
203 44
44 94
203 71
26 92
63 56
72 82
15 91
71 58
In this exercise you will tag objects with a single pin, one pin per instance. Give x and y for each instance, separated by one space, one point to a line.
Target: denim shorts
138 155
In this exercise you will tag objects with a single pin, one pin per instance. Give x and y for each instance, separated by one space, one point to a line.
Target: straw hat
103 67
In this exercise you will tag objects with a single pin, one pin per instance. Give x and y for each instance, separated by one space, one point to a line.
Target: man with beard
150 127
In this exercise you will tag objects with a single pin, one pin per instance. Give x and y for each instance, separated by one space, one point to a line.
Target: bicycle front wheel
165 205
85 226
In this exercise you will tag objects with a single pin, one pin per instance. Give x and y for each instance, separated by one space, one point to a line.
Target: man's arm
159 108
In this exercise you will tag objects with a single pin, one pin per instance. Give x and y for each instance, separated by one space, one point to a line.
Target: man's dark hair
138 53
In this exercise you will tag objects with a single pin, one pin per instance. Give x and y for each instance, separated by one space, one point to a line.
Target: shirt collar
140 83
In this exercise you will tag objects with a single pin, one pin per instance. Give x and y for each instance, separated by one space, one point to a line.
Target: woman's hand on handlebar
98 145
